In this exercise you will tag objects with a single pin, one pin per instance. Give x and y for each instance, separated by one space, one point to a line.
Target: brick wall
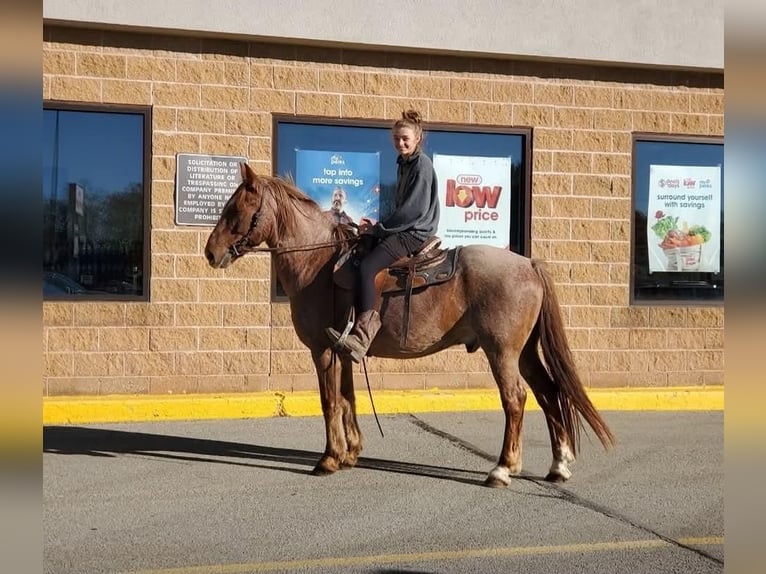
210 331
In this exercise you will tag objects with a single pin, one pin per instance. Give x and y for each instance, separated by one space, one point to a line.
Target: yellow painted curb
135 408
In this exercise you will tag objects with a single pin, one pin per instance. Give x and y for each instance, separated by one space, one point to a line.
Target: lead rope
369 390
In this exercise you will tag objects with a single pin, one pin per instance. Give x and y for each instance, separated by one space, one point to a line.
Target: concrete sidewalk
137 408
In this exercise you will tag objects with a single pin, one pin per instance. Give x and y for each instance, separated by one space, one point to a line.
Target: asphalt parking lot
236 496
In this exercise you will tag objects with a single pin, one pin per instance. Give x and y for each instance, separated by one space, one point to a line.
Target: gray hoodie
416 203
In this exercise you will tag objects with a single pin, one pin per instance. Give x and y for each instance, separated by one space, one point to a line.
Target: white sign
684 218
475 196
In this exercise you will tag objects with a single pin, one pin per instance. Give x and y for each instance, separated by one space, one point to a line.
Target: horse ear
248 175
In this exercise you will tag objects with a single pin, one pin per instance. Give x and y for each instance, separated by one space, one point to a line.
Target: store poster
475 195
684 218
346 185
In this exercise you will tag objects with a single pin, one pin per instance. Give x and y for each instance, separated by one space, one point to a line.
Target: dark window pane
679 213
93 204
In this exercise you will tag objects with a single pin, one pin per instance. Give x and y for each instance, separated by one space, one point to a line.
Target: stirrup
339 345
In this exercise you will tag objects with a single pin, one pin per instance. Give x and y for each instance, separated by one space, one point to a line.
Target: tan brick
573 294
423 86
222 290
492 114
622 142
610 252
592 141
668 361
551 229
246 363
446 111
172 144
273 101
258 291
556 94
58 364
199 363
223 339
362 107
246 315
541 206
468 88
648 379
246 123
149 314
512 92
99 364
220 383
593 97
201 121
251 267
164 290
100 314
619 230
236 74
284 339
651 122
158 69
126 92
259 338
173 339
533 116
592 184
707 360
73 386
611 163
609 338
256 383
542 162
714 338
163 217
590 317
611 208
551 184
713 377
289 78
198 314
608 295
47 88
553 139
668 317
175 242
567 206
183 95
76 89
160 385
612 120
578 338
318 104
706 103
570 251
585 272
163 119
688 338
382 84
689 124
560 270
633 99
259 149
200 71
571 162
395 106
716 125
629 317
58 63
341 81
225 97
261 75
58 314
101 65
592 360
649 339
123 385
224 145
123 339
280 315
291 362
671 101
573 118
619 273
705 317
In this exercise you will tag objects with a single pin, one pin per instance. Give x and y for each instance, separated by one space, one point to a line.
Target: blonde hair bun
412 116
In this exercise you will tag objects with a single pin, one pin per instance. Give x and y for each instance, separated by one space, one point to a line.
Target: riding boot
358 341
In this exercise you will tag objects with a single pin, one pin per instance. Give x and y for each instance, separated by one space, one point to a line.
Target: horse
497 300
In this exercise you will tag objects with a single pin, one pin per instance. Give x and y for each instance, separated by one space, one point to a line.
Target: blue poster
345 184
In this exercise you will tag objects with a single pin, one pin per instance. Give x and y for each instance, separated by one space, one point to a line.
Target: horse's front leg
336 446
350 425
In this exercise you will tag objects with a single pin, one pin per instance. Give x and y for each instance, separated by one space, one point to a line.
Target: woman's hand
365 226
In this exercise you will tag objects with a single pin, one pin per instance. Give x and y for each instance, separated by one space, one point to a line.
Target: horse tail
561 366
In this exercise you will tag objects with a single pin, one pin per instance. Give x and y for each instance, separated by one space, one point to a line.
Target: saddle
430 265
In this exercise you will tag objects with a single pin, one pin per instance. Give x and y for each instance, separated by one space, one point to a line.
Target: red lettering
486 196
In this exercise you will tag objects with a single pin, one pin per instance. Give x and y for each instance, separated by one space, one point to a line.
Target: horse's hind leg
547 395
328 372
350 424
513 396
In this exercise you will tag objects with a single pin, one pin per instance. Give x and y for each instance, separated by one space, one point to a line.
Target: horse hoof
555 477
325 467
493 482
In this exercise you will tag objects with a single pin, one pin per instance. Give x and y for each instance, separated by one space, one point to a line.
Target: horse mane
287 195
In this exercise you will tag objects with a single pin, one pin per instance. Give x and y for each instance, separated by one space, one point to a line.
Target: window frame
682 301
133 109
525 215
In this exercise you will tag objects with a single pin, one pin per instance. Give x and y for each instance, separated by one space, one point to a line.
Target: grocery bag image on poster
684 218
346 185
475 200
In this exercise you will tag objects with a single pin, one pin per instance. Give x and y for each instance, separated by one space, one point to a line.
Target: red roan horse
497 300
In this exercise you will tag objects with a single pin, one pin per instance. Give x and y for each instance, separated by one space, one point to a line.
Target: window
488 214
96 174
678 240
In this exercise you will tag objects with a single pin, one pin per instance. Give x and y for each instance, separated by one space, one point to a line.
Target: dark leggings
391 249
